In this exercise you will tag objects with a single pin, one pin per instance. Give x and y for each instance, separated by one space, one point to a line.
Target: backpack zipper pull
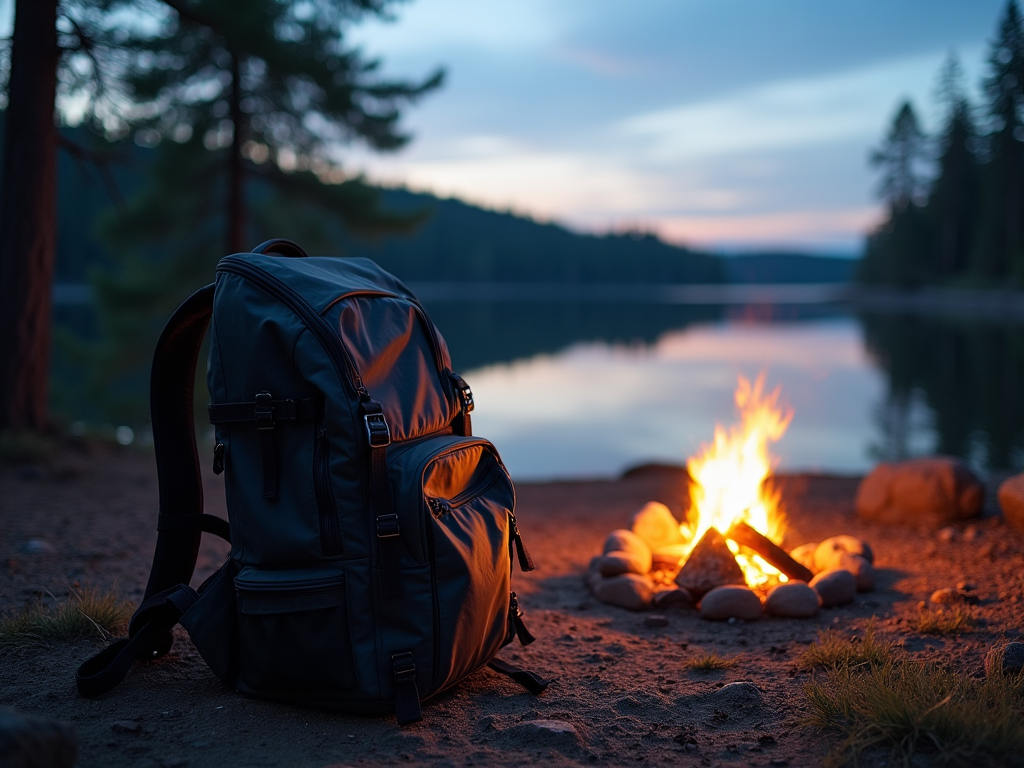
439 506
218 458
525 561
516 615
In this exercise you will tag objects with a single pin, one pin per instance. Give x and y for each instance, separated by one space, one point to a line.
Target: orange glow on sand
729 479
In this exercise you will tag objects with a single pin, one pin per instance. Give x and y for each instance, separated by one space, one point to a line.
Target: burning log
709 565
747 537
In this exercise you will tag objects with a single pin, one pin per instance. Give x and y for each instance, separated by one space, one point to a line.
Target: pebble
794 600
547 733
30 741
933 491
1012 657
666 598
836 586
730 602
742 698
948 597
628 591
656 525
622 540
614 563
126 726
1011 500
966 586
832 548
655 621
804 554
947 535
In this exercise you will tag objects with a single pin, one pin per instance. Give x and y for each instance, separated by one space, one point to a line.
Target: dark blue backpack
371 533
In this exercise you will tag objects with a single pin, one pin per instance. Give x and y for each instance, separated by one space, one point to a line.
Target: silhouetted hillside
787 268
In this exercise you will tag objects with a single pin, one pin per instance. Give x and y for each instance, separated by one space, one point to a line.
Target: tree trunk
236 173
28 218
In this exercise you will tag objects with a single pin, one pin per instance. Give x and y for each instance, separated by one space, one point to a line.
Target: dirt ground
622 685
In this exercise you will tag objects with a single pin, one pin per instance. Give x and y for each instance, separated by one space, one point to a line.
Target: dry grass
709 662
949 621
834 651
84 614
916 711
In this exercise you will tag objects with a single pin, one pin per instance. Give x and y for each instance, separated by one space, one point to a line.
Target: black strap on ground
150 625
531 681
218 526
389 554
407 695
174 441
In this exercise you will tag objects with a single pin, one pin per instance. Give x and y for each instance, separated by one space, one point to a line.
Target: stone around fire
628 591
828 552
615 563
804 554
934 491
666 598
656 525
711 564
793 600
1011 500
622 540
730 602
836 586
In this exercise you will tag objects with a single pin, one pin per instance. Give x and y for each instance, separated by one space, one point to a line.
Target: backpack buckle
387 526
377 430
264 413
403 666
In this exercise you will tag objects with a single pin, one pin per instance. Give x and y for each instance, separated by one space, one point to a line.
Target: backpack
371 533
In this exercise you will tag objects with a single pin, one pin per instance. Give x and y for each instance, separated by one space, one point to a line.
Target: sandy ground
620 683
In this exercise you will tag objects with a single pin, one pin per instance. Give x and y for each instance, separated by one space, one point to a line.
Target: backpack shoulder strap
171 396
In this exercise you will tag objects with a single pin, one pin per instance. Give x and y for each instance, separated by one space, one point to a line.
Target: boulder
711 564
827 552
934 491
28 741
1007 659
656 525
622 540
628 591
614 563
730 602
804 554
794 600
1011 500
836 586
668 558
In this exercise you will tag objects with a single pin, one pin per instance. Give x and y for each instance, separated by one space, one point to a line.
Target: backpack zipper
330 538
319 327
306 586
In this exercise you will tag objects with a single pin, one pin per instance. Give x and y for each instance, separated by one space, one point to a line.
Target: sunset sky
731 124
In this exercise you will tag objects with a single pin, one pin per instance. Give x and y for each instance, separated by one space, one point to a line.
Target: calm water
590 390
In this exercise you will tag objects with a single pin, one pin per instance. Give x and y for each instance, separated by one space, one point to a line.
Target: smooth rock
622 540
666 598
654 621
804 554
730 602
668 558
742 695
711 564
836 586
863 571
828 551
126 726
656 525
594 577
27 741
793 600
628 591
1011 500
933 491
614 563
948 597
947 535
1009 657
545 733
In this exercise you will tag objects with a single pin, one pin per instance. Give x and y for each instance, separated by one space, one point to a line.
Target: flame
729 478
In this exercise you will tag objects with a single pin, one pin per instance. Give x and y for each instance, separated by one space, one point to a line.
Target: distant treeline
956 199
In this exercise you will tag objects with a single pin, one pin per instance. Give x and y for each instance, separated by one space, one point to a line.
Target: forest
955 199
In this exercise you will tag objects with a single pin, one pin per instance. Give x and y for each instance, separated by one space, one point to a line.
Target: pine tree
997 251
952 202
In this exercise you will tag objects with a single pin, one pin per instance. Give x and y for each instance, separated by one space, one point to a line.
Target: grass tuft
84 614
921 713
834 651
709 662
950 621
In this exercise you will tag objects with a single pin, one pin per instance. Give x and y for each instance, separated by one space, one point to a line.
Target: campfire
728 553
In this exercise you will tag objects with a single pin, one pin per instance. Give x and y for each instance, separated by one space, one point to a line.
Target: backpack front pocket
293 631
